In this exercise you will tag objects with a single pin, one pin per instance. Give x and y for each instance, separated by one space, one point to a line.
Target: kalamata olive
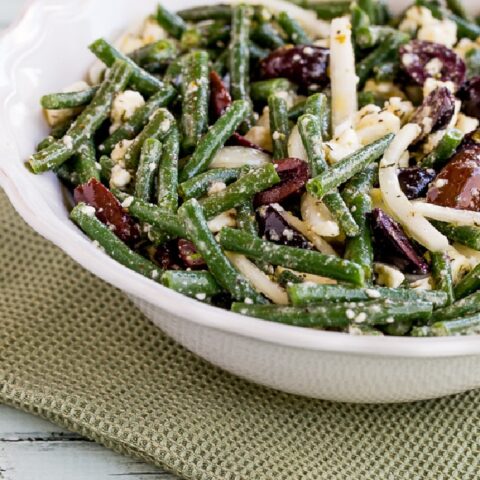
108 210
304 65
166 256
458 183
220 98
393 246
189 255
239 140
435 112
273 227
293 173
415 181
469 94
422 60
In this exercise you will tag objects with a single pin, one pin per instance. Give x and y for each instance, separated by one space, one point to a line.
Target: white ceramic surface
45 51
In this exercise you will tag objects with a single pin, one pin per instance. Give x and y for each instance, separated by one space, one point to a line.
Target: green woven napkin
75 351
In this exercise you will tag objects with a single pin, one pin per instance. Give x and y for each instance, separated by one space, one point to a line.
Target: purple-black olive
166 256
220 98
304 65
393 246
469 94
189 256
415 181
273 227
293 173
422 60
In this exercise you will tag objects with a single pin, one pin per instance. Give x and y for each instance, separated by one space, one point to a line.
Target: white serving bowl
46 50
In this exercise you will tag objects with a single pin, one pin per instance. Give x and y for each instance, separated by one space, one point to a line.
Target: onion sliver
447 214
235 157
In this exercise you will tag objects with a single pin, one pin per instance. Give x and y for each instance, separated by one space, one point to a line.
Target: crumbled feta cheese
434 67
466 124
388 276
416 17
350 314
152 31
200 296
88 210
423 284
124 106
465 45
371 293
127 202
403 109
119 151
68 141
276 135
374 124
289 96
155 274
120 177
439 31
432 84
216 187
361 317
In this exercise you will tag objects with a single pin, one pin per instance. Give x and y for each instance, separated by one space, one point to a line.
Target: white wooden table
33 449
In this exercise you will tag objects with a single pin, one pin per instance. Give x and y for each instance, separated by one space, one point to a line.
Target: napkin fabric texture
75 351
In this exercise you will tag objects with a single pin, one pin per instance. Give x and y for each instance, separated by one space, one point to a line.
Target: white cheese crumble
124 106
127 202
120 177
68 141
388 276
119 151
216 187
88 210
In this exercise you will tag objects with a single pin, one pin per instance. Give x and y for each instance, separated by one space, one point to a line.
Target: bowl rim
14 177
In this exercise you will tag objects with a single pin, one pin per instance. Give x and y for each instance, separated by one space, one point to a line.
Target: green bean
287 277
84 217
56 133
192 39
215 138
311 293
317 105
310 132
172 23
373 9
173 74
67 174
261 90
468 284
160 124
468 305
239 58
307 261
460 326
240 191
168 172
359 18
267 36
327 10
385 49
199 285
348 167
465 235
152 215
338 315
216 34
106 165
219 266
57 101
370 36
297 110
368 98
132 127
472 60
246 217
444 150
442 274
195 92
147 168
279 126
206 12
143 81
199 185
86 124
85 163
155 54
292 28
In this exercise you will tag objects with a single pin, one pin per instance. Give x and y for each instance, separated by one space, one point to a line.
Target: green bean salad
315 164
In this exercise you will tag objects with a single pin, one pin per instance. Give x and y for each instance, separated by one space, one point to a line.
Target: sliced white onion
403 210
307 277
447 214
295 145
317 241
307 18
317 217
224 219
234 157
259 280
342 73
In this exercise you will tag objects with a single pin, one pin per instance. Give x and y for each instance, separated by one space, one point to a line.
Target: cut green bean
195 93
143 81
206 12
220 267
106 165
444 151
292 28
156 54
465 235
267 36
442 274
287 277
318 106
307 261
468 305
57 101
460 326
172 23
132 127
147 169
168 172
262 89
86 124
173 74
160 124
369 37
470 283
279 126
84 217
338 315
199 185
199 285
85 163
240 191
215 138
297 110
348 167
327 10
311 293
